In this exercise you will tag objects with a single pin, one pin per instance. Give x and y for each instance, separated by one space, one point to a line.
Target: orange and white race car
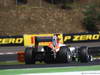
54 51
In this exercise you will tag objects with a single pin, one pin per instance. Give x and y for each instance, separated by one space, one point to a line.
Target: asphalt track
73 64
9 53
12 57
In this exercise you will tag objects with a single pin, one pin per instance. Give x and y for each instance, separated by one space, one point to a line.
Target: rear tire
64 55
29 55
84 55
48 58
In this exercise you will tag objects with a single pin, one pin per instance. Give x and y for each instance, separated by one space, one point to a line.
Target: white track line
67 73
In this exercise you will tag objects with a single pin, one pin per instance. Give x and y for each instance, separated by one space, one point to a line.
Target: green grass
46 70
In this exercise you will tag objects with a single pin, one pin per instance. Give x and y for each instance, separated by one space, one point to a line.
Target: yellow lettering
82 37
96 37
76 38
88 37
12 40
19 40
67 38
0 41
85 37
5 41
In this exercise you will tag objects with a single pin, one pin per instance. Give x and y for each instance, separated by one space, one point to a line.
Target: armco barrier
95 51
28 40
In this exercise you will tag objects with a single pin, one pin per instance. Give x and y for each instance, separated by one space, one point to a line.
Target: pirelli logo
81 38
11 41
86 37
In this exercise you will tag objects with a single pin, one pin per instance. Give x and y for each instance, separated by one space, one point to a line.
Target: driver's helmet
54 40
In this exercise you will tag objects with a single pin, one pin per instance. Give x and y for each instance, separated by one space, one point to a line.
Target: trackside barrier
95 51
29 39
12 40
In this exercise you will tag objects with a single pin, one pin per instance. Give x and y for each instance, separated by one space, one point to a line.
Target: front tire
48 58
29 55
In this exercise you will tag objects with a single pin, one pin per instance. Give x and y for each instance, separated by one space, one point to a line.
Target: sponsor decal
71 38
11 41
29 40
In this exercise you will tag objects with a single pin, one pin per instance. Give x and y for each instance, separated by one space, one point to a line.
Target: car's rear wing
45 39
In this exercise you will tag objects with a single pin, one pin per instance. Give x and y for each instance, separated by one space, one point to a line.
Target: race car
55 52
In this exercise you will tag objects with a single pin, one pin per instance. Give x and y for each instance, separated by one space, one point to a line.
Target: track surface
21 66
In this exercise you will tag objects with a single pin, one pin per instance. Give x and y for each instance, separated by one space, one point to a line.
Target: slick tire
84 55
29 55
48 58
64 55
